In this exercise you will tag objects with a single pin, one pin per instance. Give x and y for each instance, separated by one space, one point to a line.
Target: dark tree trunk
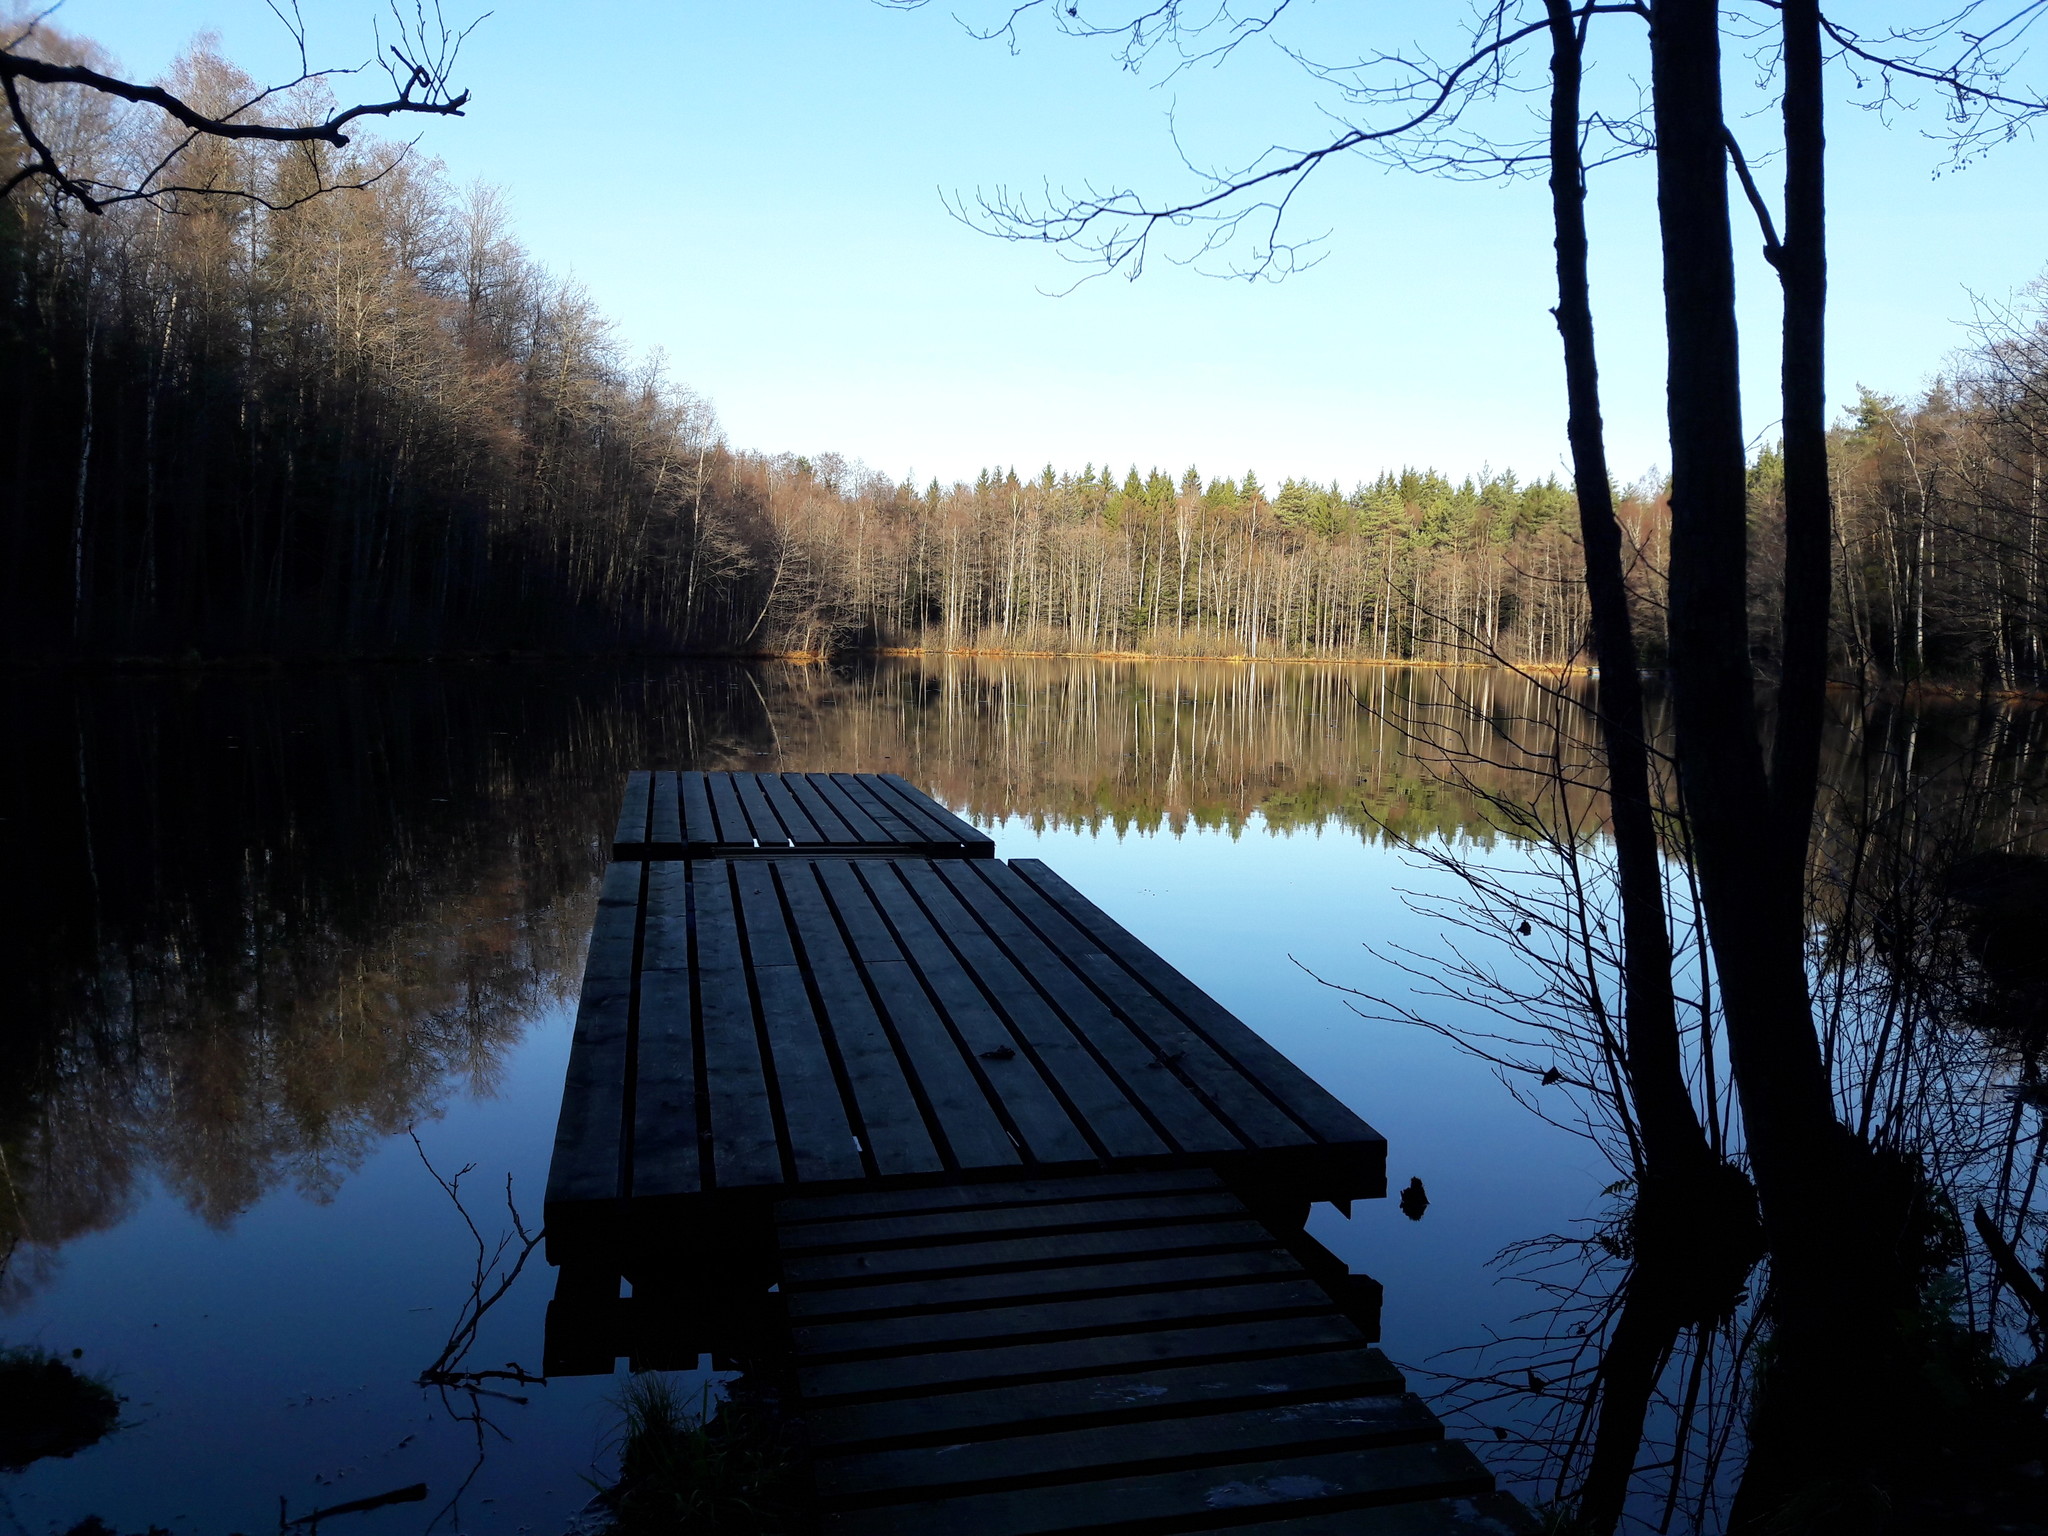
1809 513
1673 1143
1752 896
1829 1324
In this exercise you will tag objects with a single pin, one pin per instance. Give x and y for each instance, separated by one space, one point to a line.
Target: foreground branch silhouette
418 64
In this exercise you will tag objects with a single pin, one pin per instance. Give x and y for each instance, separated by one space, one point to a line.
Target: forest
1774 941
367 424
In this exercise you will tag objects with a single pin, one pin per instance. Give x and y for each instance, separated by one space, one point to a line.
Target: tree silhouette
418 63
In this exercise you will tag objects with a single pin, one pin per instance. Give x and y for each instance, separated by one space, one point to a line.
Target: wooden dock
1099 1353
751 815
749 1027
1011 1205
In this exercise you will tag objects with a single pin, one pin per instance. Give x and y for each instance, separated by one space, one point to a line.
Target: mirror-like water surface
261 927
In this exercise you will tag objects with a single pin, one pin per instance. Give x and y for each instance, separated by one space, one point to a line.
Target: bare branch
16 66
420 66
1773 249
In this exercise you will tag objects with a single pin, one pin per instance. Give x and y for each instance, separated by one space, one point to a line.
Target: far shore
1918 689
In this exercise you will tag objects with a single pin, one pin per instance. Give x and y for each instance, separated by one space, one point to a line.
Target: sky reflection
243 981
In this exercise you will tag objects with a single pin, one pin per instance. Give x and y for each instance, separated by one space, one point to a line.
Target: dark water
259 928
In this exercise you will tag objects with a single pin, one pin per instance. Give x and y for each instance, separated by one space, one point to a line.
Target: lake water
261 927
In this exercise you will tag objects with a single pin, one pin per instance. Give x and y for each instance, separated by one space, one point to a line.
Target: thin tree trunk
1673 1140
1809 512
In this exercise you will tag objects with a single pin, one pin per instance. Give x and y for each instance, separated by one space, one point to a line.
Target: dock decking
752 815
1123 1353
1011 1206
762 1025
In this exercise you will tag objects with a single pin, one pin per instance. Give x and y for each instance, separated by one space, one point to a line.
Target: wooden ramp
751 815
1113 1354
752 1027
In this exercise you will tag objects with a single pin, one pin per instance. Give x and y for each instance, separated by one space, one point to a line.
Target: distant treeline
1942 567
367 424
1410 566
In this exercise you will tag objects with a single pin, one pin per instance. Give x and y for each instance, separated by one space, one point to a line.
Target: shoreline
190 665
336 659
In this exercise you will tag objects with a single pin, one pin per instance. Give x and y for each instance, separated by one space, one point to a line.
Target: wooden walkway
1116 1353
751 815
749 1026
1012 1204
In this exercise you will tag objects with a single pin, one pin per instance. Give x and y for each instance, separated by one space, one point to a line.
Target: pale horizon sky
758 191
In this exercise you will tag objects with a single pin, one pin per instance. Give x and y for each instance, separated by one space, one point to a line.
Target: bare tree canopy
419 63
1423 106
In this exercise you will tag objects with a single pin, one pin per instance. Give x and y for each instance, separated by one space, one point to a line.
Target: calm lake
261 927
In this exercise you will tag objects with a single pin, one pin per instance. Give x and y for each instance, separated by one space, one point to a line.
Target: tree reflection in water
1628 1390
257 924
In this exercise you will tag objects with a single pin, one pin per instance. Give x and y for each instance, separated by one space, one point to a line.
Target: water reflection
258 925
261 922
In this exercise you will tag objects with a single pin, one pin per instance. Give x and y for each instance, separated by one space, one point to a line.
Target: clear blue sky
756 188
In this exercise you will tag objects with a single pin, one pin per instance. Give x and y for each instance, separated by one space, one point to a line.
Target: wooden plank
1099 1100
1232 1101
950 1418
1316 1108
1141 1065
873 941
975 1197
585 1165
665 929
665 1133
822 1145
590 1132
802 830
615 932
700 827
744 1148
1060 1317
1308 1484
769 944
1024 1252
664 1160
965 831
730 819
898 822
822 1142
1041 1121
631 832
858 821
892 1126
1223 1083
1093 1355
769 831
665 825
1229 1436
814 805
1130 1275
929 1228
974 1135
